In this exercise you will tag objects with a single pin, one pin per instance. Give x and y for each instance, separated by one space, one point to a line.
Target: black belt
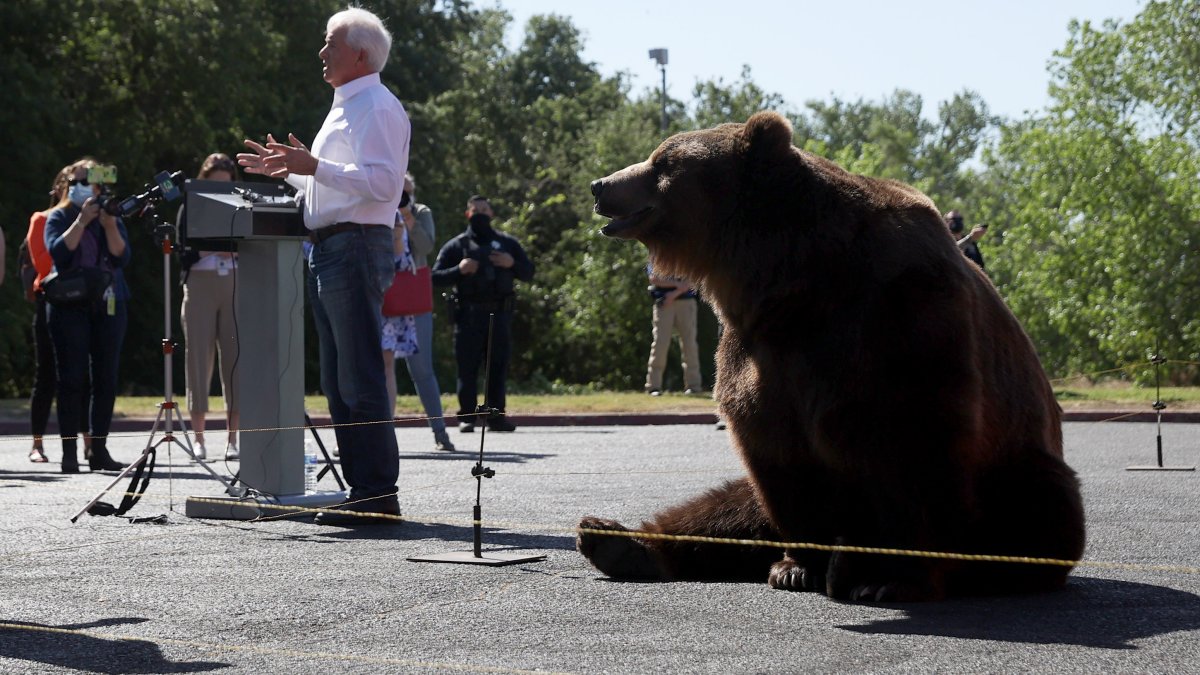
319 235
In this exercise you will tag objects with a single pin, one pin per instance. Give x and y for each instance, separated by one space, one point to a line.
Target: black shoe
70 462
352 513
102 461
466 427
654 392
501 424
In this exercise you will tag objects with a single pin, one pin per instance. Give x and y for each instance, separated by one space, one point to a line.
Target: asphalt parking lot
186 595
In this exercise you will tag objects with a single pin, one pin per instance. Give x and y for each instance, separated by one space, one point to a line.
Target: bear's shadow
1090 612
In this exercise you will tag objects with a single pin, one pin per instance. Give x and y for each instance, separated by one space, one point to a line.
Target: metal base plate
1160 468
233 508
489 558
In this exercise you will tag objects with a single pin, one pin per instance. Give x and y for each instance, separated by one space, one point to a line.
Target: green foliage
1096 199
1094 217
893 139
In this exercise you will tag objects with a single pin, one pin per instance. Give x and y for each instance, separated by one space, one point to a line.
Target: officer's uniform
490 290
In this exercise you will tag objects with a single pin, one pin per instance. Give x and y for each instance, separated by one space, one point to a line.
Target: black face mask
481 227
956 225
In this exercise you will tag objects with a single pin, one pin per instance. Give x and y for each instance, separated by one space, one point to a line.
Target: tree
1097 199
893 139
715 103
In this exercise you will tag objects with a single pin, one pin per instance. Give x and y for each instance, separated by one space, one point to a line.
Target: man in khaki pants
674 310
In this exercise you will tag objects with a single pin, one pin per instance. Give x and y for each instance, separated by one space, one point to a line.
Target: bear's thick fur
877 388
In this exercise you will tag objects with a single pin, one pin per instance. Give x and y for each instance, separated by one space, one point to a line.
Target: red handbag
411 293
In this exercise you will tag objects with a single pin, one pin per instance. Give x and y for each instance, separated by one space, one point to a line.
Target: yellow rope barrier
294 511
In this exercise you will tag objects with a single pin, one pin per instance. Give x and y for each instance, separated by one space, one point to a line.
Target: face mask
79 194
481 225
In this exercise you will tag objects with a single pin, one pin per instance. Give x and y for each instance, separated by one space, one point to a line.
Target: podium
268 230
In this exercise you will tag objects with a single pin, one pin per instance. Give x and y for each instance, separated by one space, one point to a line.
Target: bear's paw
789 575
619 556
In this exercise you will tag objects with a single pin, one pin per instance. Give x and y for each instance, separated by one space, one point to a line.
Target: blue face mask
79 194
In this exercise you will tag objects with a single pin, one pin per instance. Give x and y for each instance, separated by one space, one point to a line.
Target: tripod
168 410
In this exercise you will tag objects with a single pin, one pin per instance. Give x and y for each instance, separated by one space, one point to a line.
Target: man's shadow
29 642
1090 612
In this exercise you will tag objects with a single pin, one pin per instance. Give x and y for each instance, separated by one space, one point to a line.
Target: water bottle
310 466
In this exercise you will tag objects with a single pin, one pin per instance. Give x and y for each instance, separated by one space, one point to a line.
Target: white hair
364 31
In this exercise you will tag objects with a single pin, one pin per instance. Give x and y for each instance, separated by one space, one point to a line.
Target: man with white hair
351 180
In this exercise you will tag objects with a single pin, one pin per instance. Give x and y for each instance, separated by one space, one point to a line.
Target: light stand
477 556
660 57
168 410
1157 359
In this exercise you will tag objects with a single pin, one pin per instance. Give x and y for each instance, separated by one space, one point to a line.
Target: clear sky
849 49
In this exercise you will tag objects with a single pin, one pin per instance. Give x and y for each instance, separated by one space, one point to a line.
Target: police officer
482 264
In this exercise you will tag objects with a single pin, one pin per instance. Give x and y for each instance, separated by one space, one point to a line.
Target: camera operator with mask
966 243
79 234
482 264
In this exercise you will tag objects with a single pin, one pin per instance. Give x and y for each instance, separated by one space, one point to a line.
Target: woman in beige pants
208 323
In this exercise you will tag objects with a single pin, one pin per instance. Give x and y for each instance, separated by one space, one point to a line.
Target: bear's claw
789 575
618 556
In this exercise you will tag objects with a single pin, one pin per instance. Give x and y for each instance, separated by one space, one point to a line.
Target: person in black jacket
966 243
482 264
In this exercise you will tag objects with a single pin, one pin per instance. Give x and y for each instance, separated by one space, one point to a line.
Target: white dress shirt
362 155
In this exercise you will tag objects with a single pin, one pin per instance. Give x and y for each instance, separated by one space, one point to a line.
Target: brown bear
877 388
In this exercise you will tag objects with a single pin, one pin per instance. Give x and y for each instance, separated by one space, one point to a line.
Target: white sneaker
231 451
199 452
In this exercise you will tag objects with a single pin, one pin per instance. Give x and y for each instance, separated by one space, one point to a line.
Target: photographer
966 243
482 264
418 218
81 235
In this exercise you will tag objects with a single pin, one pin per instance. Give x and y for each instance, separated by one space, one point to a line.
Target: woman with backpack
35 264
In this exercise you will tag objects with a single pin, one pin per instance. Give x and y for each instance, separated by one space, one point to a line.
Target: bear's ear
767 132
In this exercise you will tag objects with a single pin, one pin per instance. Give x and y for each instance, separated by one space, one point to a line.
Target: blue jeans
86 336
348 275
420 369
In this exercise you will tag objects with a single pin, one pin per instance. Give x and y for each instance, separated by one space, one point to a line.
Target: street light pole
660 57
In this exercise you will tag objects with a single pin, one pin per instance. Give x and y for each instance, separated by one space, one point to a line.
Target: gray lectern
269 308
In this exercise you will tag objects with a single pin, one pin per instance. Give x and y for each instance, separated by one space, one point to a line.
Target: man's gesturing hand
295 157
256 162
277 159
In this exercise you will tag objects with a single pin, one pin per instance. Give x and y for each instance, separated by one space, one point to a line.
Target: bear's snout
597 187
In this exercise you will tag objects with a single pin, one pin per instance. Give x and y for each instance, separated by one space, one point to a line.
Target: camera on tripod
164 188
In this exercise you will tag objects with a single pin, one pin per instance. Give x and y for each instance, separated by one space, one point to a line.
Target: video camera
165 187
